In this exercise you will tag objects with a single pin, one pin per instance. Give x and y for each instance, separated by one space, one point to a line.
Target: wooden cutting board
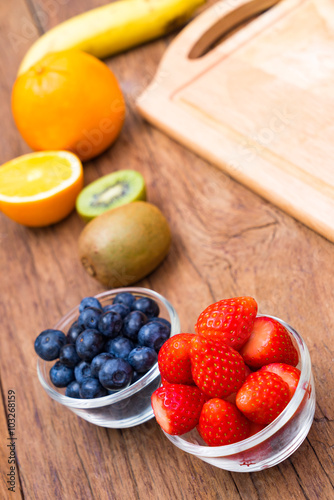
260 104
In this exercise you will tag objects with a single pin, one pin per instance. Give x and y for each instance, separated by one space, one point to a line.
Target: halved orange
39 189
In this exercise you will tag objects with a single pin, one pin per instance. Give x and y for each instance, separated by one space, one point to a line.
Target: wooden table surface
226 242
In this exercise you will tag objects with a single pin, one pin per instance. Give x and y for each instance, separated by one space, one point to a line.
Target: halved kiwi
110 191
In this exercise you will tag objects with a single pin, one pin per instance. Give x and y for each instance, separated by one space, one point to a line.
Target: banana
113 28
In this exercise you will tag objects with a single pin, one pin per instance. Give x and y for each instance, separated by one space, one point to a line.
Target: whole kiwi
124 244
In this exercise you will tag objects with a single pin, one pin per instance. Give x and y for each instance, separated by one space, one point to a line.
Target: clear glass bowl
128 407
273 444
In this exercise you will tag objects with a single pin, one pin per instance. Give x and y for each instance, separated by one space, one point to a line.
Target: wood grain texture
226 242
259 104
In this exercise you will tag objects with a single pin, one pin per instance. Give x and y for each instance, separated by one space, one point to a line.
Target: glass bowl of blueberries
100 359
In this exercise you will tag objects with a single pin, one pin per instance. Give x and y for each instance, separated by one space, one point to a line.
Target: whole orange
71 101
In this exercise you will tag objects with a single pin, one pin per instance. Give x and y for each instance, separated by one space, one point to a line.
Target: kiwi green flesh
110 191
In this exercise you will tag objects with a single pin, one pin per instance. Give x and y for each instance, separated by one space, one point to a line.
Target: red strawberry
228 320
232 397
263 397
174 359
164 382
288 373
269 342
255 428
217 369
177 407
222 423
248 371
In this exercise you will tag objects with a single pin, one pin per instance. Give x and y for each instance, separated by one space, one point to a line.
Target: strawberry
288 373
232 397
174 359
222 423
269 342
229 321
177 407
255 428
217 369
263 397
164 382
248 371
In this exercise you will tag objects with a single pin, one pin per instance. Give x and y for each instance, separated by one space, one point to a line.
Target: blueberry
91 388
132 323
89 344
136 376
98 361
48 344
120 347
74 332
89 302
89 318
82 370
142 359
111 392
115 374
153 335
161 320
110 324
147 306
68 355
61 375
125 298
72 390
121 309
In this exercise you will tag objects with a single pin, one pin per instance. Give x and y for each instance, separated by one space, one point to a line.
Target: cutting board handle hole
226 27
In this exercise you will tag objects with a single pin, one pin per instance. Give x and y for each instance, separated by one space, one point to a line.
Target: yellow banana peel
113 28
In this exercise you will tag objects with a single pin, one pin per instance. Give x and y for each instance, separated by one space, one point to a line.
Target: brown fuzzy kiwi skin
124 244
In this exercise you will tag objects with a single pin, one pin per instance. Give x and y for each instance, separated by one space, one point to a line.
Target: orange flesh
34 176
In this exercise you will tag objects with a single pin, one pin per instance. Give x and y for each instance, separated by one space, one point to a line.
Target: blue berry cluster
107 348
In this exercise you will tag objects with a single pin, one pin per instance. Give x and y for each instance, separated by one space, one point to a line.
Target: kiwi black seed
110 191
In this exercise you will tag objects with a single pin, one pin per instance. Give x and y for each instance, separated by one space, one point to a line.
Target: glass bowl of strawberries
239 393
